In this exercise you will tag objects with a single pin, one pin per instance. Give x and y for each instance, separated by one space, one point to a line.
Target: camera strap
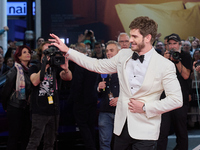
42 72
49 78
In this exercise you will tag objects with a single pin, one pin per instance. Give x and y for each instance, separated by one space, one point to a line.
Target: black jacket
4 69
10 86
112 85
84 86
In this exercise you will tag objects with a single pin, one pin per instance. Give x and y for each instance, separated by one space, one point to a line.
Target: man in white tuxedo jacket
139 108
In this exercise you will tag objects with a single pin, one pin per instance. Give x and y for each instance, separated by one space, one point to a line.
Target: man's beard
139 46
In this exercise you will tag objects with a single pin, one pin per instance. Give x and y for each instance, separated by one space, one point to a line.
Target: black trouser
178 118
85 118
19 128
42 124
125 142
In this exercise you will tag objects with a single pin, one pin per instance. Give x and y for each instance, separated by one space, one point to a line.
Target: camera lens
176 55
58 60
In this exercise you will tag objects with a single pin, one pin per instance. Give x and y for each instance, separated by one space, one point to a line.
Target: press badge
50 99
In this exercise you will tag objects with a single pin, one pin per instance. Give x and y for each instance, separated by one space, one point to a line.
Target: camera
197 63
191 38
176 55
89 33
56 56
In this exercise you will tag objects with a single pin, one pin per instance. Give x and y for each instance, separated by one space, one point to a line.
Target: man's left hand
58 43
135 106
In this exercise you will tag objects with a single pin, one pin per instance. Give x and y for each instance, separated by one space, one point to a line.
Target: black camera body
56 56
176 55
197 63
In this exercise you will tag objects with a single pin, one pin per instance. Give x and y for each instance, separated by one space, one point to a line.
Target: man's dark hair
39 38
97 43
166 37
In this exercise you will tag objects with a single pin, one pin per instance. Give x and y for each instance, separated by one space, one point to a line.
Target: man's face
160 46
186 47
40 41
174 44
111 50
196 55
194 43
10 62
98 49
136 40
124 41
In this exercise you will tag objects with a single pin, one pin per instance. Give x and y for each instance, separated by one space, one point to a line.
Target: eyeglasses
124 41
186 45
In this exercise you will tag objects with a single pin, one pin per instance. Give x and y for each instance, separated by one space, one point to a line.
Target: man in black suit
108 92
83 93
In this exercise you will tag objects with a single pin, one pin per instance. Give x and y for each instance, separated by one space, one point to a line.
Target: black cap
174 37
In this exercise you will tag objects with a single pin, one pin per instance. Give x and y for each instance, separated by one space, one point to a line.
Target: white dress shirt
136 71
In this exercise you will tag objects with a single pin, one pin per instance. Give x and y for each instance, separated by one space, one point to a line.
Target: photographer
196 66
87 37
177 117
44 98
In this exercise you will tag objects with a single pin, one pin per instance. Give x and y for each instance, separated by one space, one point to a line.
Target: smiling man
143 75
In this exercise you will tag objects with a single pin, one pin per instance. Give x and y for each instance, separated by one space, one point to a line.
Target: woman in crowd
15 100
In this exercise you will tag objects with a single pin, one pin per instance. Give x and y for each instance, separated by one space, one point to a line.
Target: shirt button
131 87
134 76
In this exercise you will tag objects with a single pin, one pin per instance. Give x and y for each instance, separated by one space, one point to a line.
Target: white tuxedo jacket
160 75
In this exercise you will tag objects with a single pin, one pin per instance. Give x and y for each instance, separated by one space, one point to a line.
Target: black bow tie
135 56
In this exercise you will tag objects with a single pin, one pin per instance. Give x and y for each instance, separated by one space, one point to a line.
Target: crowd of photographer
49 66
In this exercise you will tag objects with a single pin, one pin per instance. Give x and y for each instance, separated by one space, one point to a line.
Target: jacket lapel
126 83
149 77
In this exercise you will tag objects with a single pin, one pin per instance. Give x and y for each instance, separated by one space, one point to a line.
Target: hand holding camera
175 55
56 57
197 64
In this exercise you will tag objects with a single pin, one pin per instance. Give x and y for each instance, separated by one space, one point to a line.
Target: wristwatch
143 108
